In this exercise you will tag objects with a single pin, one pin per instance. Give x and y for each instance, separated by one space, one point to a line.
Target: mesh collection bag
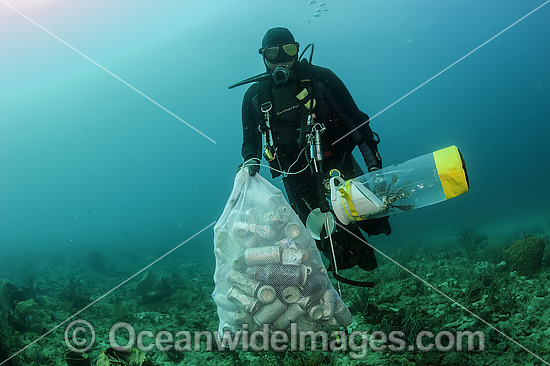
268 269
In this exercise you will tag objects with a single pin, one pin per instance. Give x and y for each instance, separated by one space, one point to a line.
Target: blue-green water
88 163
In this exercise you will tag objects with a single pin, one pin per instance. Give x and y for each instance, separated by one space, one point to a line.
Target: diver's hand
252 166
253 169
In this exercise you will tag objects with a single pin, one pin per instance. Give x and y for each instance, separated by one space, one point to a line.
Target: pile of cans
277 277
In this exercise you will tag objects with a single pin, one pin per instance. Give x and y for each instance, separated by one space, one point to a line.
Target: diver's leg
375 226
351 250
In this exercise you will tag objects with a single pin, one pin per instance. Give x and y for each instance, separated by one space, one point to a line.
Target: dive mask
274 54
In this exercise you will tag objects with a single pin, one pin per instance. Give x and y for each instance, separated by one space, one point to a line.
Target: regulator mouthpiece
280 75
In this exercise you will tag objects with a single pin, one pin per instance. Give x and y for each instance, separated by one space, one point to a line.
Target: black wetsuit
336 109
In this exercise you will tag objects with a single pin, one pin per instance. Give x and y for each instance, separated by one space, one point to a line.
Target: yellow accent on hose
301 95
308 104
267 151
345 193
451 171
334 173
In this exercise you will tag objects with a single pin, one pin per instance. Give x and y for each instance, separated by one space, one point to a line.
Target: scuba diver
282 112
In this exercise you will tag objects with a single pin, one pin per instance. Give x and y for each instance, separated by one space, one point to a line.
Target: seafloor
504 282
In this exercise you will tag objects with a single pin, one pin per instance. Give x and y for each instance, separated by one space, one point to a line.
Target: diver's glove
253 169
252 166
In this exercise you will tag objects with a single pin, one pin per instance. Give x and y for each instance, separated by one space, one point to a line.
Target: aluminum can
304 301
315 313
239 317
291 314
314 284
263 255
330 324
246 283
283 211
241 299
266 294
268 313
292 257
291 294
292 230
327 302
342 314
277 274
223 303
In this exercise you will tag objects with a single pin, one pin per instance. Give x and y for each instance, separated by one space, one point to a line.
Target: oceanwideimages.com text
356 343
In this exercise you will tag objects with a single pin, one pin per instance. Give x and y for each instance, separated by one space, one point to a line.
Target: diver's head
280 52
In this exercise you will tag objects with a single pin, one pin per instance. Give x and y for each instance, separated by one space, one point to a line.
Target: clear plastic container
416 183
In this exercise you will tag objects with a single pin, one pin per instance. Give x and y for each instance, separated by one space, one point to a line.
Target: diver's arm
251 147
371 156
358 122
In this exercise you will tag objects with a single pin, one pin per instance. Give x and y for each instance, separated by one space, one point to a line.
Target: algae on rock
525 255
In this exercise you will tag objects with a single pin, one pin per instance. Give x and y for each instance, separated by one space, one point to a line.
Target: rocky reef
525 255
498 288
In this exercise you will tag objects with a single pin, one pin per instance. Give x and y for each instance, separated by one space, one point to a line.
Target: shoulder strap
264 127
306 97
305 88
264 100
